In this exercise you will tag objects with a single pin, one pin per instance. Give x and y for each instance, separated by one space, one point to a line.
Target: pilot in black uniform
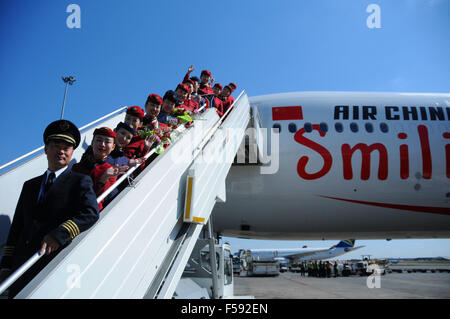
52 209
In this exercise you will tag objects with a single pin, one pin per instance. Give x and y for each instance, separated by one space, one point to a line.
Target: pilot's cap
62 130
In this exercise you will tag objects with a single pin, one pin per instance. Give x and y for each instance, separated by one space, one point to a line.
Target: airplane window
384 128
278 126
308 127
339 127
292 127
369 127
354 127
323 127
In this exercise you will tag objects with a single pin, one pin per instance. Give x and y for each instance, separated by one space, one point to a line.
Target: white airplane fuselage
290 254
351 165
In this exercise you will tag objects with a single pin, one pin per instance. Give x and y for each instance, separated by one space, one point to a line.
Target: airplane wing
352 248
305 254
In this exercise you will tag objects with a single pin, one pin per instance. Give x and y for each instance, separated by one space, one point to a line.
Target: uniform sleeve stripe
70 230
75 226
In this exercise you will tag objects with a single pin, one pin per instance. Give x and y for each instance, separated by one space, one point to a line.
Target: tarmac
394 285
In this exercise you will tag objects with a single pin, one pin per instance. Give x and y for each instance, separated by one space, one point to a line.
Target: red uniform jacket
190 105
204 89
187 76
227 103
136 148
218 104
96 173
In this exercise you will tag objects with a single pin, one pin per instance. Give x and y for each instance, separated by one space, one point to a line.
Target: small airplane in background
305 254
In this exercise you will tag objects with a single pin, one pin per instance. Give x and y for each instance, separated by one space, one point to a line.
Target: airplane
343 165
329 165
305 254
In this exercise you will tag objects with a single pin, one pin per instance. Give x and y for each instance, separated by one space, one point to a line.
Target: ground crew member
336 269
302 269
328 269
52 209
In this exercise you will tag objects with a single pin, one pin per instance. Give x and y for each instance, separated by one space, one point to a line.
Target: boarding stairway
142 241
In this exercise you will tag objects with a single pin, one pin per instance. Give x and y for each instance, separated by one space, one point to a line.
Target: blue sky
126 50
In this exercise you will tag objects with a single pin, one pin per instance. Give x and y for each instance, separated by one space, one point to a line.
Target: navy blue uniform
166 118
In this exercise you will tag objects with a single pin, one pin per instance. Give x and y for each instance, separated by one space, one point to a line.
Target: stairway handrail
216 126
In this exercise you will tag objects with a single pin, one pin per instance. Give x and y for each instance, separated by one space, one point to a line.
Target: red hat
136 111
219 85
206 72
233 86
155 99
229 88
189 81
105 131
184 87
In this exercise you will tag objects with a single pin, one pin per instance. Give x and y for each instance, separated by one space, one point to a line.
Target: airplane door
261 144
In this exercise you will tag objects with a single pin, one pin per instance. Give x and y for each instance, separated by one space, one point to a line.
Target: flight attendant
94 163
205 78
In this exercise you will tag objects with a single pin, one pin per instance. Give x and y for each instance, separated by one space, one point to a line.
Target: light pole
68 80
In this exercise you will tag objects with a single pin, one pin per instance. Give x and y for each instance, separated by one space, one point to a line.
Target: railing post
212 259
68 80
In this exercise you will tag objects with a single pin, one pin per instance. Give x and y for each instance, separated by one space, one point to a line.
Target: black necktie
50 180
48 184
